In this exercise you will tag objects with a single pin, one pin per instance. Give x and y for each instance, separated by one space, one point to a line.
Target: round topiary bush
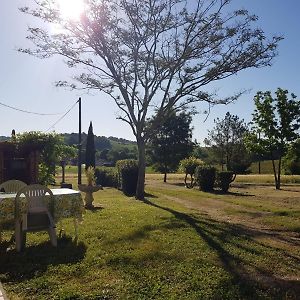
107 177
188 166
224 179
205 176
127 175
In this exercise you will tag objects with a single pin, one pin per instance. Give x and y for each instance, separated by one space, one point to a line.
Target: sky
27 82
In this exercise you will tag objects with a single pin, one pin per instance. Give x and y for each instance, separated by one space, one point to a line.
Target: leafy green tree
227 145
52 149
171 143
124 153
101 142
291 161
65 155
103 154
200 152
152 55
90 150
276 121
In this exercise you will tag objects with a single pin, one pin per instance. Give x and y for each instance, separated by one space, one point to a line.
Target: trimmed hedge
127 175
224 179
188 166
205 176
107 177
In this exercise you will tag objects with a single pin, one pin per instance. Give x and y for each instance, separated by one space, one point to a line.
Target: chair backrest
35 195
12 186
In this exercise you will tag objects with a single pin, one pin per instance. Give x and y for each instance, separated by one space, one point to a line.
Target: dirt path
247 207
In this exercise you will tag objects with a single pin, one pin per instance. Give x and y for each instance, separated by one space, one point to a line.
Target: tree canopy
291 160
53 150
152 56
226 140
276 123
90 150
171 142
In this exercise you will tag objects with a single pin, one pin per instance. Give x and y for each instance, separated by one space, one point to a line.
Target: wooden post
79 143
259 171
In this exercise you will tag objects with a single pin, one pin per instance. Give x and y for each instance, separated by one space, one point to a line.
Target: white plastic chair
37 217
12 186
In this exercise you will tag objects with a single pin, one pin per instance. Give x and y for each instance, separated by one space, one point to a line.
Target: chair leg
52 235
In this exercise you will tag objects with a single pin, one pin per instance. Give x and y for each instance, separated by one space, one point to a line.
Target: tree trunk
165 176
227 163
275 175
140 188
279 175
63 173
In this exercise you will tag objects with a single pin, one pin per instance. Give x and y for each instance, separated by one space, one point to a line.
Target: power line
62 116
26 111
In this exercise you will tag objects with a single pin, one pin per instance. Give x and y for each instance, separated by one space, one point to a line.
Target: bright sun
70 9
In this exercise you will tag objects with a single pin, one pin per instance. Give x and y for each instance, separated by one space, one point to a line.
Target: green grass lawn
178 244
266 167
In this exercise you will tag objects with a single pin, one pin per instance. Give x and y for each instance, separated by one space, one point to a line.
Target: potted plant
89 188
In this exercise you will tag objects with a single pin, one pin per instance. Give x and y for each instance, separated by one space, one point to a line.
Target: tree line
232 144
272 134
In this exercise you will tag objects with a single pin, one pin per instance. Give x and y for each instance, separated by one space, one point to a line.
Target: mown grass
266 167
250 178
175 245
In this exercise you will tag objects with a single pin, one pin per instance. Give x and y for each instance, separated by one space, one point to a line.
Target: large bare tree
152 56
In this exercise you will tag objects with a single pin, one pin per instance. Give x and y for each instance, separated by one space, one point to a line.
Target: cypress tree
90 149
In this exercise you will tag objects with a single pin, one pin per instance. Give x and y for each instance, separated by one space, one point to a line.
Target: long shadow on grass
217 235
35 260
238 194
290 190
217 191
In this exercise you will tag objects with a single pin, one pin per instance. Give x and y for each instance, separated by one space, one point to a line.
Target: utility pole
259 171
79 142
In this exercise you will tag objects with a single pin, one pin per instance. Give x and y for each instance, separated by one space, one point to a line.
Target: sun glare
70 9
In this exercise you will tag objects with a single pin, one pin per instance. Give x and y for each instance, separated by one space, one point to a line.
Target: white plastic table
67 203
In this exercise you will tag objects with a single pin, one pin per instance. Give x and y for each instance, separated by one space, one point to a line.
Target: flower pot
89 190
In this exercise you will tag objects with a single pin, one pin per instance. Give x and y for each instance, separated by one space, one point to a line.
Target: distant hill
121 140
4 138
101 142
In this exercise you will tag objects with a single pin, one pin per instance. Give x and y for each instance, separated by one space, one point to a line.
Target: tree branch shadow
35 259
216 234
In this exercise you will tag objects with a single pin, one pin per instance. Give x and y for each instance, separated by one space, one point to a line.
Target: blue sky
28 83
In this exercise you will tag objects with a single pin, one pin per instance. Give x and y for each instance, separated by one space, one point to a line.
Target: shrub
224 179
291 161
107 177
127 175
240 166
188 166
205 176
